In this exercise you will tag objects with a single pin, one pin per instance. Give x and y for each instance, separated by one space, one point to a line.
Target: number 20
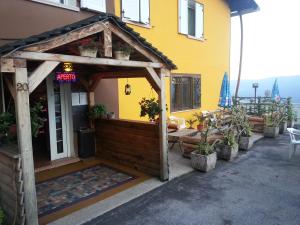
22 87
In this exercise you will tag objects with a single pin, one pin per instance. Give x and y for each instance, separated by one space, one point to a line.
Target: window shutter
199 20
131 9
145 11
196 92
97 5
183 16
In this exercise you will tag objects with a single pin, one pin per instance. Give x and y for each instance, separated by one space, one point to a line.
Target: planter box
87 51
245 143
282 127
203 163
226 152
121 55
271 132
290 124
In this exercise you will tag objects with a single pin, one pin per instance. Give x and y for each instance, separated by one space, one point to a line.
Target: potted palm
150 107
204 158
228 148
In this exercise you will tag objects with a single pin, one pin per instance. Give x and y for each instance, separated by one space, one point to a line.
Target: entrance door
60 118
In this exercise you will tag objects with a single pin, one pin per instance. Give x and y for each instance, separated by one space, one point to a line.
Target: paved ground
261 187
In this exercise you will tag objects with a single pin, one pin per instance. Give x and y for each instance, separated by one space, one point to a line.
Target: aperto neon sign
68 75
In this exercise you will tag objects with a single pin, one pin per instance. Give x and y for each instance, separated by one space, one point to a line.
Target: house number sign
22 87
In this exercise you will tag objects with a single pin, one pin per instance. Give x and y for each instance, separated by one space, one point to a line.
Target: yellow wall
210 57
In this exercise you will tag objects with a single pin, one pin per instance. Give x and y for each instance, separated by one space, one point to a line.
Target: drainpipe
241 56
2 93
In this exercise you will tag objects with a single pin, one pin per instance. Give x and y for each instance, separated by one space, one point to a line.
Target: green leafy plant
97 111
291 113
2 216
229 137
200 117
149 107
204 147
191 122
240 120
37 121
6 120
274 118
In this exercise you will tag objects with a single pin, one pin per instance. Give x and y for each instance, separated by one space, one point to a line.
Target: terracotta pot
203 163
121 55
200 127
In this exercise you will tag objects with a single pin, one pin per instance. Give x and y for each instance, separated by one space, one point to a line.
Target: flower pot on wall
282 127
200 127
203 163
121 55
271 132
226 152
245 143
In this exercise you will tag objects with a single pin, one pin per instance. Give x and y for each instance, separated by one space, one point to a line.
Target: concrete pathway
261 187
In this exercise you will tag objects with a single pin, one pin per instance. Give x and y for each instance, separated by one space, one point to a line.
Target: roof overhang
241 7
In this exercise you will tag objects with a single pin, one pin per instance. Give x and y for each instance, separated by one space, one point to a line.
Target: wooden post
25 142
164 163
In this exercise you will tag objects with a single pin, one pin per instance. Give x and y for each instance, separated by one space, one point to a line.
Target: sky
271 41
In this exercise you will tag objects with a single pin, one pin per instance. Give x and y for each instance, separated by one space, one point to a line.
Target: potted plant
291 115
88 48
204 158
191 122
122 51
150 107
7 123
97 111
37 122
201 120
243 126
283 118
272 121
2 216
228 148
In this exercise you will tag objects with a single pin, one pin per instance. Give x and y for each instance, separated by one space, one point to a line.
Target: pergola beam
37 56
67 38
154 79
40 74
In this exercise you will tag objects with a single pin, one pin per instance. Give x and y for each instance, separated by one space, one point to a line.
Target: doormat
67 190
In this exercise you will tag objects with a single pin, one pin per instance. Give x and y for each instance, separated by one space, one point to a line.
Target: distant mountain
288 87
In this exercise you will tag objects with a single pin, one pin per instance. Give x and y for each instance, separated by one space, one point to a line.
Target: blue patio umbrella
225 96
275 92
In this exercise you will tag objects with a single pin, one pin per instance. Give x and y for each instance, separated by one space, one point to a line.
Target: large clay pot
203 163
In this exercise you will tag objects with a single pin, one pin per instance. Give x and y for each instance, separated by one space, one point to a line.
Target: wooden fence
131 143
11 186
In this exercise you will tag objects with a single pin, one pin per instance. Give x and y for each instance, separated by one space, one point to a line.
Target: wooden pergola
24 67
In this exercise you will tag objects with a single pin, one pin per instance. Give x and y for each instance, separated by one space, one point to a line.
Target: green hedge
2 216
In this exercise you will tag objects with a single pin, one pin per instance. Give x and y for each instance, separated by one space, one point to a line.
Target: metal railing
259 105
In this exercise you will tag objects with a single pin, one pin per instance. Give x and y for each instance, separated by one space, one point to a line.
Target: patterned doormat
61 192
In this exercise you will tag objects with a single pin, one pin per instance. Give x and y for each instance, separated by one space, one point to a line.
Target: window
191 18
65 2
95 5
136 10
185 92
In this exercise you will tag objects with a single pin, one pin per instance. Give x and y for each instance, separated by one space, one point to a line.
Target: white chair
294 142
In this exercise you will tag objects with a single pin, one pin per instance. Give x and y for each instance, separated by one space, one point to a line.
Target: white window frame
138 23
183 19
60 5
84 3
